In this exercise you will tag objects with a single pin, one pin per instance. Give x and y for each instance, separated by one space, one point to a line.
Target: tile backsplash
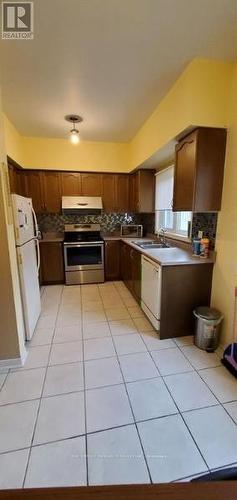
111 222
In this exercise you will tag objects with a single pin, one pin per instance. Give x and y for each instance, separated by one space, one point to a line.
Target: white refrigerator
28 256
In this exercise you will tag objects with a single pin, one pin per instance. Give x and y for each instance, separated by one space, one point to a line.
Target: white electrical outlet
200 234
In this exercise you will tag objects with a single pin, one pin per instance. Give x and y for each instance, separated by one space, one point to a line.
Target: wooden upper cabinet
52 192
91 184
71 183
33 179
17 180
122 193
199 170
142 191
108 192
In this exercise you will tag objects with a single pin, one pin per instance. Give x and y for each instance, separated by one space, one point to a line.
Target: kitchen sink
150 244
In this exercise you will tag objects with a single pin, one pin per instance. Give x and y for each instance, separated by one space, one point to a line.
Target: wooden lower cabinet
51 263
130 264
112 260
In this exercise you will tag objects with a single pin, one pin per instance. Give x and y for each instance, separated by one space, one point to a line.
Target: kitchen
103 337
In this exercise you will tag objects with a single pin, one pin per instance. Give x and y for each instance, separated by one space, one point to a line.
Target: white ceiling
110 61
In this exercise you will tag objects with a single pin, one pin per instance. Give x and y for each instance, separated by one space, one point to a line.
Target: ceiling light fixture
74 132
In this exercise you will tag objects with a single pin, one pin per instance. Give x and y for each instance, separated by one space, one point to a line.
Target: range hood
90 205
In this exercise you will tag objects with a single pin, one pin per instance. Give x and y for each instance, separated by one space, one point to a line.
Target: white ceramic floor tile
17 424
232 409
116 313
200 359
154 343
182 341
109 301
138 367
128 344
150 399
135 312
215 434
189 391
57 464
128 300
107 407
93 316
67 352
37 357
102 372
98 348
67 333
143 325
64 378
171 361
12 467
42 336
221 383
127 465
96 330
68 319
69 422
94 306
122 327
22 386
46 321
170 450
73 308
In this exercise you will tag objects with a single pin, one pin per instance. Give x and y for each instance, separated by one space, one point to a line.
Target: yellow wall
225 271
62 155
198 97
13 141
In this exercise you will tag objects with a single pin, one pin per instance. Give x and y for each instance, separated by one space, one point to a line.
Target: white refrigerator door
29 286
23 219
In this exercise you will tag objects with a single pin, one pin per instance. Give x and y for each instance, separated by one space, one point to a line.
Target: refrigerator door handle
35 223
38 254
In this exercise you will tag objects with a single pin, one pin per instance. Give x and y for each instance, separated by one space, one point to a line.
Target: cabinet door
91 184
108 192
34 189
71 183
133 192
125 265
52 192
122 193
112 260
184 176
136 273
51 258
13 179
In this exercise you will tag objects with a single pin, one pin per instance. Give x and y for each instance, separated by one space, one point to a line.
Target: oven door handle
78 245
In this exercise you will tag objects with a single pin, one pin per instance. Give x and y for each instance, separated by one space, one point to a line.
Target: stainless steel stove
83 254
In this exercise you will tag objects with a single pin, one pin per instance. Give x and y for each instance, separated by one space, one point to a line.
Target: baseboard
6 364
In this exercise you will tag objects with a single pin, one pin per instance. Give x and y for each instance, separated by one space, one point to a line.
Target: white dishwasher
151 290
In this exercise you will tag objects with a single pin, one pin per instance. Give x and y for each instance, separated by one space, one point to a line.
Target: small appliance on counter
83 254
131 230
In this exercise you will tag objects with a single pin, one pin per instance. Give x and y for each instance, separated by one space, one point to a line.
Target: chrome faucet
161 234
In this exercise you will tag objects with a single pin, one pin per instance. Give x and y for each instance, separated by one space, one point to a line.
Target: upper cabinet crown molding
199 170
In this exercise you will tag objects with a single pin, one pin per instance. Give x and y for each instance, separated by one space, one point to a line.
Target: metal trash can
207 328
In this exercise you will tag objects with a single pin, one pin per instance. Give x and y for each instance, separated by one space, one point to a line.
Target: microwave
131 230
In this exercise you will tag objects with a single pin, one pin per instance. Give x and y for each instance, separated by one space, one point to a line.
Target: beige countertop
174 255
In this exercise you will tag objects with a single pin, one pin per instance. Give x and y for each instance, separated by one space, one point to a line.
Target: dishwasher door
151 290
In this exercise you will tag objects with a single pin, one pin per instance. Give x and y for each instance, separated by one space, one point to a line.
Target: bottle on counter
205 242
196 247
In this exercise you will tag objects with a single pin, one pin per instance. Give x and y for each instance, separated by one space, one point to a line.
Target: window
175 223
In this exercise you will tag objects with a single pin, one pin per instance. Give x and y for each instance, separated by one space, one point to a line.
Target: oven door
82 256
